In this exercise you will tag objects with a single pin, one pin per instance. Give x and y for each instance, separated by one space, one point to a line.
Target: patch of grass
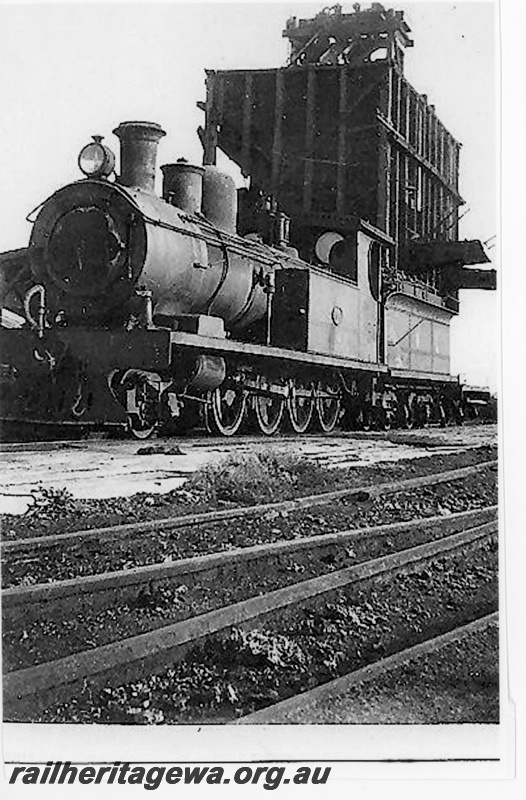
260 477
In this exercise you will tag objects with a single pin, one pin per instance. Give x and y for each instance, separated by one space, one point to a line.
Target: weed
258 477
50 502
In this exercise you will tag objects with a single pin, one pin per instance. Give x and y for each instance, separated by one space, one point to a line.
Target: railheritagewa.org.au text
151 777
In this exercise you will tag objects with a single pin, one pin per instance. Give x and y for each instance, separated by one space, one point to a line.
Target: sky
77 69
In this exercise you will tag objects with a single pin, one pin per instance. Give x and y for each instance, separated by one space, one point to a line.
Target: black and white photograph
250 393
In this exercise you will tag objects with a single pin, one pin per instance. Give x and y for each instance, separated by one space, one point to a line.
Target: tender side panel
417 335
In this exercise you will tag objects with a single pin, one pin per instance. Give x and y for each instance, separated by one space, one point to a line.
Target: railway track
100 588
321 704
126 659
62 635
130 530
201 438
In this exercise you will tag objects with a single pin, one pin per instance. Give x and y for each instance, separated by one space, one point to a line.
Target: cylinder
219 199
139 143
183 186
209 372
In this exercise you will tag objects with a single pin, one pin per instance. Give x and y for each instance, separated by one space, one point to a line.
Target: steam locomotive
299 301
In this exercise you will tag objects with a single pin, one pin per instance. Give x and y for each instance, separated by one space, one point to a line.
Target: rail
42 685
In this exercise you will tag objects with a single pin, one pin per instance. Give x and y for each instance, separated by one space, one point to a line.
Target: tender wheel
328 406
225 410
268 410
402 415
412 414
300 406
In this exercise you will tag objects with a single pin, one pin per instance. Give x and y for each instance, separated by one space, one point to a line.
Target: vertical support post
421 125
440 148
342 150
398 202
383 182
210 133
386 163
438 210
426 202
390 96
433 142
309 140
398 120
407 111
247 119
427 131
397 168
276 139
383 193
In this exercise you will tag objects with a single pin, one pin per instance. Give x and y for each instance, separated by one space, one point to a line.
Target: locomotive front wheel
138 428
328 406
269 411
225 410
141 403
300 406
384 419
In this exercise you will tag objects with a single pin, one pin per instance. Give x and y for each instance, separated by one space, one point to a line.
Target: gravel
92 557
238 672
94 621
459 684
455 684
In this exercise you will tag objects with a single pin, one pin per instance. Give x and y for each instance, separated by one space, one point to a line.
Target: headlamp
96 160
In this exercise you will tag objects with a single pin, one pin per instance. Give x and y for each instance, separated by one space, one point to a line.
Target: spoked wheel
141 399
225 410
384 419
366 419
268 410
412 421
138 428
189 417
300 406
328 406
411 414
401 418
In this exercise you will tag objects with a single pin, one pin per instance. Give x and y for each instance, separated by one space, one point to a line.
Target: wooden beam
408 148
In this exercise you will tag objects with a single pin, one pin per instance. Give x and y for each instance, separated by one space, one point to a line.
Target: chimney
139 142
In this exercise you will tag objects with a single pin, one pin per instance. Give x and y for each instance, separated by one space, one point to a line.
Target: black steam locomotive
319 295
